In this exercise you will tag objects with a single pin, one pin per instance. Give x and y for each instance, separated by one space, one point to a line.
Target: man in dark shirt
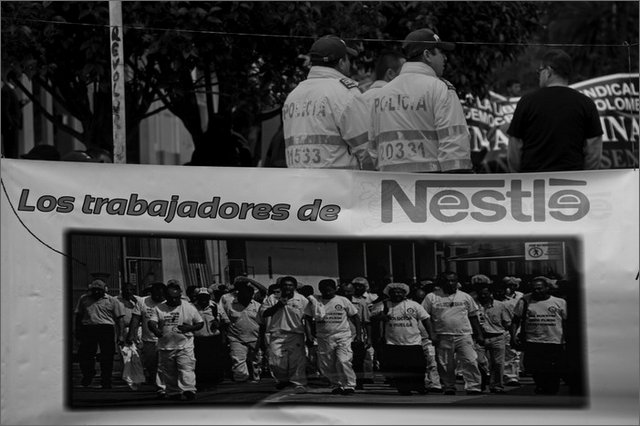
555 128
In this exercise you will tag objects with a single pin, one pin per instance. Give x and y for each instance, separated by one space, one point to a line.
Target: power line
284 36
4 189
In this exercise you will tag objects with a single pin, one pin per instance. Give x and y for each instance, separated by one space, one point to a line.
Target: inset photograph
164 321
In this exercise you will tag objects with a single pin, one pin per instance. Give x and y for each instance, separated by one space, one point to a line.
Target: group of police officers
409 120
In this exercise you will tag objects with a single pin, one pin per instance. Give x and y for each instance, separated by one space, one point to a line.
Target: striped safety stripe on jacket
418 124
326 123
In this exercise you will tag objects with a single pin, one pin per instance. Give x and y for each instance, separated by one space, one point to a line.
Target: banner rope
4 189
242 34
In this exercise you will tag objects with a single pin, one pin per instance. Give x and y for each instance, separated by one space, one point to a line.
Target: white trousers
176 368
335 361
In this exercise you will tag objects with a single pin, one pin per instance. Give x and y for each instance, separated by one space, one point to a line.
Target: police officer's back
417 121
325 117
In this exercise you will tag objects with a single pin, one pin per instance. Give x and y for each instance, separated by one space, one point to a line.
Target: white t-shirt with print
543 323
147 306
402 327
336 319
244 321
450 314
169 318
289 318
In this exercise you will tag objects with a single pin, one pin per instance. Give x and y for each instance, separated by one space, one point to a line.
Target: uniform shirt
543 323
289 318
210 313
244 321
336 320
147 307
495 317
325 122
451 313
129 308
169 318
418 124
103 311
402 327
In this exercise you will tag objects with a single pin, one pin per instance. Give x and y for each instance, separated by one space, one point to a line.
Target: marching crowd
421 337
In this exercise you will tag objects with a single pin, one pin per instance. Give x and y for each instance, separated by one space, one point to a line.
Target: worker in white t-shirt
173 323
543 318
288 331
149 355
334 339
403 360
455 321
363 296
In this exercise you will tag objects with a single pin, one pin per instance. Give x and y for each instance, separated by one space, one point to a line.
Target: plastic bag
132 372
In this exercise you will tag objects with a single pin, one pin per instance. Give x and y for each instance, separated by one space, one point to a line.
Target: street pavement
229 393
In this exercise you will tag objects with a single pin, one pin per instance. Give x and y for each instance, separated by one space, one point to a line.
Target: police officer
417 121
325 116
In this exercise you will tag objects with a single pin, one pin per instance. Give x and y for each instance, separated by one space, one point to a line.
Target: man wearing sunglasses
555 128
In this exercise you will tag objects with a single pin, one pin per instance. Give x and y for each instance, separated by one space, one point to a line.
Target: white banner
47 205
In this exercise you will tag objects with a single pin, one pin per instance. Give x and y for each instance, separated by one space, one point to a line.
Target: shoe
105 385
348 391
512 383
175 397
449 392
474 392
300 389
161 394
86 381
336 391
498 391
422 391
189 395
282 385
434 390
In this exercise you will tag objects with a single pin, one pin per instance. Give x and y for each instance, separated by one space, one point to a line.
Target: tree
66 55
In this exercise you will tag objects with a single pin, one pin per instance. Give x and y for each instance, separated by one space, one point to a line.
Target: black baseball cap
419 40
330 48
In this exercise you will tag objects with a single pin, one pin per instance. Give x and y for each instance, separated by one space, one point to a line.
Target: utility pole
117 83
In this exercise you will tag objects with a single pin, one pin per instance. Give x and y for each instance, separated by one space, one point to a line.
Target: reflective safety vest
417 124
325 122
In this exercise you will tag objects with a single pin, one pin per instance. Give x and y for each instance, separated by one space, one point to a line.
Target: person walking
245 333
334 338
173 323
403 361
455 321
289 329
542 318
99 324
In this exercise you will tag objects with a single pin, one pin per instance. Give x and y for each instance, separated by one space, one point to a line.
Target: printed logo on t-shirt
552 309
339 307
411 311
